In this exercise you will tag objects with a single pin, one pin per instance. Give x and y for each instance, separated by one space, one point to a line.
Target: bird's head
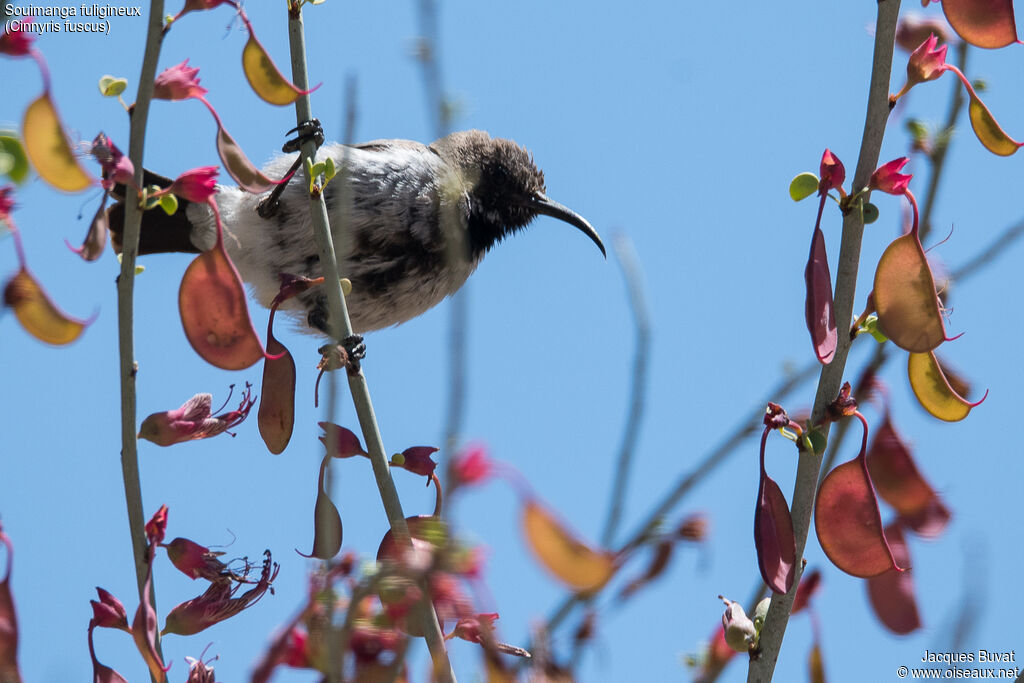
506 189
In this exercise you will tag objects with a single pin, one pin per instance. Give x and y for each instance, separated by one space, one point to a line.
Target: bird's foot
347 354
307 130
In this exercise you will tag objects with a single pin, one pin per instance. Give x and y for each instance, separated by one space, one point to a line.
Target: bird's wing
384 145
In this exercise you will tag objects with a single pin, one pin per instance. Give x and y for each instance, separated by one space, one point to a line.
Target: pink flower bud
196 185
926 63
888 178
178 83
6 202
17 42
832 172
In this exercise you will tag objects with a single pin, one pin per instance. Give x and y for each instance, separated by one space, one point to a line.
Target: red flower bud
888 178
196 185
178 83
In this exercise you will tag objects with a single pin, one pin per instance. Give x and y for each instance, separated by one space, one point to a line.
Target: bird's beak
549 207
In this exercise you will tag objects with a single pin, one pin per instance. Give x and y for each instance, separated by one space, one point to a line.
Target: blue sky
677 124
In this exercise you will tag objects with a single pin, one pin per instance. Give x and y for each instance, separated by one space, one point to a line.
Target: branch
641 315
341 328
440 115
683 485
763 665
125 304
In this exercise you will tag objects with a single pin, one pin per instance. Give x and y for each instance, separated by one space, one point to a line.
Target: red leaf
276 414
847 520
773 532
8 620
899 482
818 307
892 592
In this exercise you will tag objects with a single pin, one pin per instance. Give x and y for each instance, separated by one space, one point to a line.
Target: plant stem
631 271
762 666
746 427
125 304
341 328
440 115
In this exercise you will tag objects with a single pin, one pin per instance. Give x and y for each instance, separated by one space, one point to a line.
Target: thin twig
727 446
341 328
631 271
440 115
763 666
126 303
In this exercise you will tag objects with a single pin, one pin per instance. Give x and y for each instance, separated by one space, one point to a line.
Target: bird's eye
500 175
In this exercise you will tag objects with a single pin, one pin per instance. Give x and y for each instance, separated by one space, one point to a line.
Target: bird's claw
307 130
347 354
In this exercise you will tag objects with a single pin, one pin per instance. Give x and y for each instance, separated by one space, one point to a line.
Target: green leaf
169 203
6 163
111 86
329 170
803 186
817 441
870 213
871 327
10 146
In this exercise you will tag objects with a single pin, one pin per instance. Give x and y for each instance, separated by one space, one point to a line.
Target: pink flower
888 178
6 202
193 5
196 561
156 528
117 168
178 83
196 185
473 628
192 420
472 465
926 63
218 602
418 461
109 612
17 42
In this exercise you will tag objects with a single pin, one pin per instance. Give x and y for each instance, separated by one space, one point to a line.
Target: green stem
341 328
762 666
125 304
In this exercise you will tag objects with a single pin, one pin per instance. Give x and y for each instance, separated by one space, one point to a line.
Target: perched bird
410 223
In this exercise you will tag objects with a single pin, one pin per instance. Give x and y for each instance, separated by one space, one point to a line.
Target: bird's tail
159 233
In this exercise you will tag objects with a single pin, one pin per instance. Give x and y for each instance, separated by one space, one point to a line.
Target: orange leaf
984 23
238 166
815 664
265 78
933 390
327 530
47 147
905 298
214 312
572 562
38 314
989 132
